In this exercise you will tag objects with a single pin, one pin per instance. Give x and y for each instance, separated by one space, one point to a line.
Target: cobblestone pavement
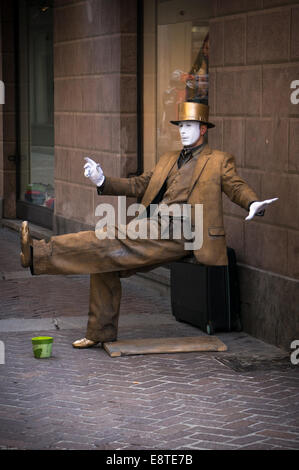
245 398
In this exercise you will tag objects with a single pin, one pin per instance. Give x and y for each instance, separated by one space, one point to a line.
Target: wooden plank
130 347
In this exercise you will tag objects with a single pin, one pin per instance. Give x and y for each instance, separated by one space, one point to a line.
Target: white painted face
190 132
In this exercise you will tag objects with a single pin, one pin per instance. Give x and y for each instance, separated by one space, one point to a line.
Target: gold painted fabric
214 173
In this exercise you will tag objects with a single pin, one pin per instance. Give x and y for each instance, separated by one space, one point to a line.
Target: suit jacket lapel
161 172
203 158
163 168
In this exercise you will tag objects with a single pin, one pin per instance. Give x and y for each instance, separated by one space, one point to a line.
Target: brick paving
87 400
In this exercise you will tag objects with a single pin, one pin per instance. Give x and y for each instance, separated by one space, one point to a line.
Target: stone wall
95 57
254 58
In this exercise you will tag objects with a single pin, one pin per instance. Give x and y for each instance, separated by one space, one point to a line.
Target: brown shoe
84 343
26 243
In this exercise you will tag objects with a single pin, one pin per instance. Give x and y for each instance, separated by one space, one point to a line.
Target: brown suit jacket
215 172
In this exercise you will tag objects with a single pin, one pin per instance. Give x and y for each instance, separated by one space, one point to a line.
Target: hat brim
208 124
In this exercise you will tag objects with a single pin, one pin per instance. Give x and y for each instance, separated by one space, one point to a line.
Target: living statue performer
195 175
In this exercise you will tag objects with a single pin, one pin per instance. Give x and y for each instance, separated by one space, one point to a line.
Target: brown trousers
106 260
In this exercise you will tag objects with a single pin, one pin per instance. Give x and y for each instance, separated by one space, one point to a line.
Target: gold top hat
190 111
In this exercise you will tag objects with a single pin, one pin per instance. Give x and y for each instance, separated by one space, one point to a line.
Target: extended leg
105 260
84 253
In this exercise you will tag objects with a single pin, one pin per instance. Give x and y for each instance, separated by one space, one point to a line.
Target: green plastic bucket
42 346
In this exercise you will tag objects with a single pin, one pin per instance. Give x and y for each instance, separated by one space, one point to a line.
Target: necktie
185 156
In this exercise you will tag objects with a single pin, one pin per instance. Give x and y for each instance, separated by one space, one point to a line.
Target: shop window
176 68
36 110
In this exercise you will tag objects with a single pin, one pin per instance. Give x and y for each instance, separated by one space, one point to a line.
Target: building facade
102 78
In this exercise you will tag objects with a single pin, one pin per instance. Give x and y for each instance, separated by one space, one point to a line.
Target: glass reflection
36 81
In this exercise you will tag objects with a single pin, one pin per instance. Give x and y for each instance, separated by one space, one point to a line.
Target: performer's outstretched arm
239 191
113 186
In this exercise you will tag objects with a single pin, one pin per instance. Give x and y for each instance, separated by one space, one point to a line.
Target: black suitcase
206 296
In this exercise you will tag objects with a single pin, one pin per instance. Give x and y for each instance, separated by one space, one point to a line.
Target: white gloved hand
259 206
94 172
